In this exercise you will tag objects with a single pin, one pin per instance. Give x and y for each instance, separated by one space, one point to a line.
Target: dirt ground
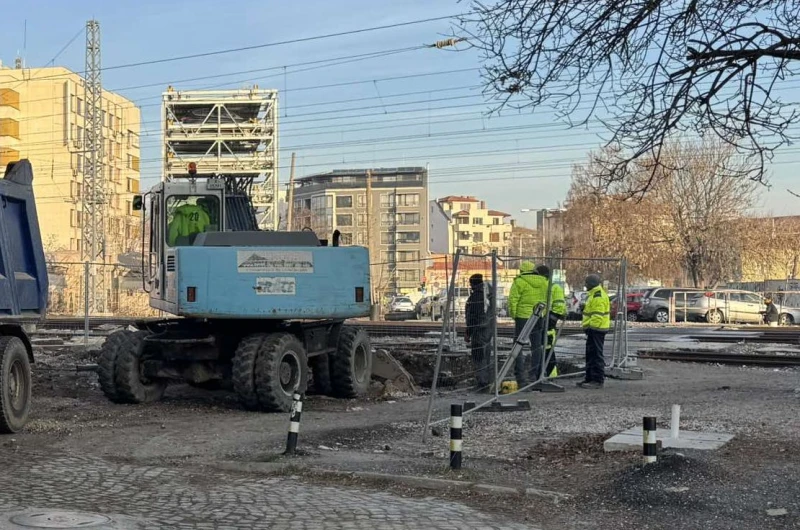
556 446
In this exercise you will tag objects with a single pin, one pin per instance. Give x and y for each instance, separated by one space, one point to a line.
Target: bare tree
647 69
692 216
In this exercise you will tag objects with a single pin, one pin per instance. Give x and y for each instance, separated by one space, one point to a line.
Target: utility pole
94 196
290 197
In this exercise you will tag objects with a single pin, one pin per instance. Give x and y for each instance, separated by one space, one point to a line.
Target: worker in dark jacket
480 331
771 315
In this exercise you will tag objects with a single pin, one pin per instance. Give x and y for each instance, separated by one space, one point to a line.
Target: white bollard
675 423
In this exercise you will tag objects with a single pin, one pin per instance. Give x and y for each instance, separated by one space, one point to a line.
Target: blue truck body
23 270
272 282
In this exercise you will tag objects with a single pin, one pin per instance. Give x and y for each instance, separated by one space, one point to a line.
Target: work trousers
482 357
595 363
525 371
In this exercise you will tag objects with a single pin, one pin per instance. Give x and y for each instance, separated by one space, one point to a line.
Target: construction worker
479 317
187 220
527 290
596 323
771 315
558 311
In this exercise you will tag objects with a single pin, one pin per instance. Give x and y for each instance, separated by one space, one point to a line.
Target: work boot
590 385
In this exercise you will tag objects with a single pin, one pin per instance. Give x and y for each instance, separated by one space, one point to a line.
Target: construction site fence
467 358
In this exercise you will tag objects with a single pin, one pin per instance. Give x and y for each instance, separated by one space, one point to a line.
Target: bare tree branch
649 71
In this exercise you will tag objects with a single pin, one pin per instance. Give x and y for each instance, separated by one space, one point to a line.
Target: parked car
401 304
634 304
727 306
656 303
424 307
457 307
575 303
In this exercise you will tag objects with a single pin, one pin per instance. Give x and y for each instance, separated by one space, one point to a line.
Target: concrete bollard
294 424
675 422
456 423
650 441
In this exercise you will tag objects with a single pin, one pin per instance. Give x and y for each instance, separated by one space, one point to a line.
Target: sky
417 107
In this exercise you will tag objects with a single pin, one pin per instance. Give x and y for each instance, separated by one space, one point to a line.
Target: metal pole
290 198
545 325
86 303
494 322
438 364
456 433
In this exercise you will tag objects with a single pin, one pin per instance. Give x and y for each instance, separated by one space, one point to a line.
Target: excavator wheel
15 385
120 370
351 364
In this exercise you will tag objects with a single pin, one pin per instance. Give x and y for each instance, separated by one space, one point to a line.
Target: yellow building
42 119
466 223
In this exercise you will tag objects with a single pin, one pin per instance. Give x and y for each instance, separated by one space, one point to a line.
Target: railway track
722 358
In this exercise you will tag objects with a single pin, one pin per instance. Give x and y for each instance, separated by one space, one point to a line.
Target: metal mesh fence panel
510 359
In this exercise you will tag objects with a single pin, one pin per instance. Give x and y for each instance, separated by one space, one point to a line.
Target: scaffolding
226 133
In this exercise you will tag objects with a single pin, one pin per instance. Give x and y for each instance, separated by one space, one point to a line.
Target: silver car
716 307
401 304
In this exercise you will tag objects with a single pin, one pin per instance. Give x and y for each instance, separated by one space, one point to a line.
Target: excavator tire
132 386
351 364
281 371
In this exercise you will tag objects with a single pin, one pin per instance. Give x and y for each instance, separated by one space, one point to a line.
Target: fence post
649 439
86 303
294 424
456 434
494 323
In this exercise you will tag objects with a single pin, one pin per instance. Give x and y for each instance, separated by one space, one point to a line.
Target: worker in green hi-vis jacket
187 220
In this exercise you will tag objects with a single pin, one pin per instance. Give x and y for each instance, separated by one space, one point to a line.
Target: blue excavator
254 310
23 292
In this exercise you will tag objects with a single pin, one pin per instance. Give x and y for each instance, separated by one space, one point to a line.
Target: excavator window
189 215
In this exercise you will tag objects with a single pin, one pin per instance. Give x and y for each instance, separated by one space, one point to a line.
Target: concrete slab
631 440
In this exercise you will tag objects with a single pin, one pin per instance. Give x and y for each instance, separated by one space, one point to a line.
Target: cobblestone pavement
182 498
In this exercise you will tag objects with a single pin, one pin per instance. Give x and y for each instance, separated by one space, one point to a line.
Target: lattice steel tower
94 196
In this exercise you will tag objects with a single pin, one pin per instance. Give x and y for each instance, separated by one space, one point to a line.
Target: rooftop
458 198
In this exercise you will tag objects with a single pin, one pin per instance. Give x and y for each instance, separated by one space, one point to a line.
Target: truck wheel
244 369
281 370
107 364
132 385
15 385
351 365
321 375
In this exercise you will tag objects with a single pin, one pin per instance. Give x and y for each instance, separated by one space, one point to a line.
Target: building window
408 218
408 275
128 208
494 238
465 206
344 201
506 236
408 199
362 201
477 220
387 257
74 218
387 238
346 239
477 237
344 220
496 221
361 238
362 219
408 255
387 200
133 140
408 237
386 219
79 107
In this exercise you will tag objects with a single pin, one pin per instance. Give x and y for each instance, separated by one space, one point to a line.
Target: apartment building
42 119
392 222
465 222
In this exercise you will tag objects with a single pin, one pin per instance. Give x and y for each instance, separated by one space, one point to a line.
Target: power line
266 45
